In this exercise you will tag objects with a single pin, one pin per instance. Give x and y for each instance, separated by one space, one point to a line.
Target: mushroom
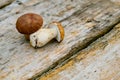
28 24
43 36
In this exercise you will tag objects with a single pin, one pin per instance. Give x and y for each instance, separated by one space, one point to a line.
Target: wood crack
73 52
83 25
76 48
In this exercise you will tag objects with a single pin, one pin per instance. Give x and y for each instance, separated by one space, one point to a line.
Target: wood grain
99 61
4 3
83 22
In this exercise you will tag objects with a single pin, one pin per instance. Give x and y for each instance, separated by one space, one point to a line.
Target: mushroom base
27 37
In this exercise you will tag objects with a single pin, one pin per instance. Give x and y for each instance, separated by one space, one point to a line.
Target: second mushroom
44 35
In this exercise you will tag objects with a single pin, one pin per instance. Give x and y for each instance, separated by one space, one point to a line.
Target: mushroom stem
27 37
42 37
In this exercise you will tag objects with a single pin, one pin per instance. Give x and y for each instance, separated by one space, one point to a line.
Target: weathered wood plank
117 2
3 3
16 7
88 20
56 9
99 61
14 63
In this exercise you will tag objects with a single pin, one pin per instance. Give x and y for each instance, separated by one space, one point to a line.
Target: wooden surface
99 61
83 21
4 3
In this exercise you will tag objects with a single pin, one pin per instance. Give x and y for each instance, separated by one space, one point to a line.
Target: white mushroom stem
43 36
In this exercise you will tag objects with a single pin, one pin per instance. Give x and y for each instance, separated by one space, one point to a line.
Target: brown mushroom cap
29 23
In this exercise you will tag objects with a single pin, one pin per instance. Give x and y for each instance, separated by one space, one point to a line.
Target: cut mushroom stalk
43 36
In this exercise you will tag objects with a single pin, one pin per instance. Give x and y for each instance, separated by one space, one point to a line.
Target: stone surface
83 21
